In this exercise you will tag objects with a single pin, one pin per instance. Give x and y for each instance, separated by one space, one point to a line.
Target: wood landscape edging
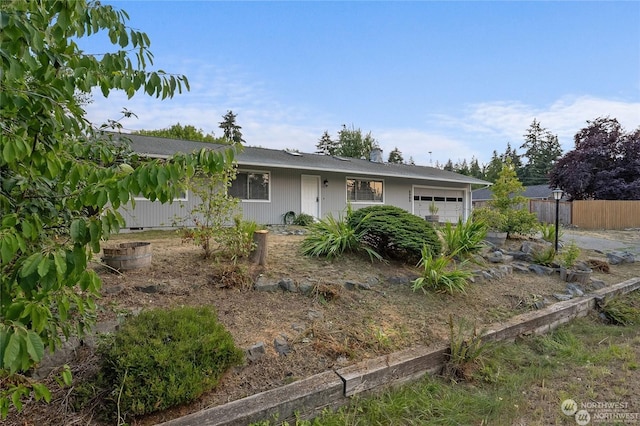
334 388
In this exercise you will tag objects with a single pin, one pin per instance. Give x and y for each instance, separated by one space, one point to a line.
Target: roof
262 157
541 192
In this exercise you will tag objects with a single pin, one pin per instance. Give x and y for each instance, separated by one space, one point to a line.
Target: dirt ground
330 328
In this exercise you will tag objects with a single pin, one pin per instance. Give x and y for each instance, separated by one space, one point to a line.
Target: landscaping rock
520 267
618 257
541 270
151 289
255 352
575 290
281 345
314 315
306 287
352 285
287 284
563 297
595 284
398 280
265 284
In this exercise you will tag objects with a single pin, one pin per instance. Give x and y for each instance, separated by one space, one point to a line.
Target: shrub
569 255
465 238
494 220
395 233
237 240
437 276
521 222
548 231
331 237
163 358
303 219
544 256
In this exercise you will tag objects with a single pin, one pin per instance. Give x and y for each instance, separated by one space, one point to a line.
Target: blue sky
459 79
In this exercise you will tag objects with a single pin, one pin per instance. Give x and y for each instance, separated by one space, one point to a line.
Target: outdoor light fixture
557 194
325 183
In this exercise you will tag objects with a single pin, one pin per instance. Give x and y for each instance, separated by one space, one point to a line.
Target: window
251 186
182 196
361 190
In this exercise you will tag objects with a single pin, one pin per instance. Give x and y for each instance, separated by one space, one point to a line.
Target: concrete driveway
603 240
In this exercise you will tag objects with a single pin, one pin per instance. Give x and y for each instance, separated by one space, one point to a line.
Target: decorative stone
398 280
281 346
265 284
618 257
519 267
563 297
597 284
255 352
540 270
575 290
287 284
306 287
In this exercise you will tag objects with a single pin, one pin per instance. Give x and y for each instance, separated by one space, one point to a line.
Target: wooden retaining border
333 388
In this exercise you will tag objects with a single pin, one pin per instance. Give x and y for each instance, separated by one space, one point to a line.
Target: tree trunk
259 253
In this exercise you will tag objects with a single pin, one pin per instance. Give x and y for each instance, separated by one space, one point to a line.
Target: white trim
346 192
248 171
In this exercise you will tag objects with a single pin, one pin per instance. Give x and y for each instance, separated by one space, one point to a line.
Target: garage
449 202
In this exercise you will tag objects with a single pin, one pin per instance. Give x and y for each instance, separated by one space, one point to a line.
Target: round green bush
163 358
395 233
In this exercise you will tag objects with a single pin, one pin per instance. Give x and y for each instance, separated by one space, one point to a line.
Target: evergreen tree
494 167
325 145
542 151
475 170
448 166
395 156
411 162
462 168
230 128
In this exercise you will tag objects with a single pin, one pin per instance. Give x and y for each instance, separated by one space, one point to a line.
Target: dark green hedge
395 233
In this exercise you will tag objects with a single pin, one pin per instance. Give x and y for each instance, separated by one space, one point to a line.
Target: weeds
548 231
619 312
545 257
436 274
466 349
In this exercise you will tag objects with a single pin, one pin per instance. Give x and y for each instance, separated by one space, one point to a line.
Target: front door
310 195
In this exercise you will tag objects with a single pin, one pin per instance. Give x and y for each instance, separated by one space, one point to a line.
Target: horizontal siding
285 197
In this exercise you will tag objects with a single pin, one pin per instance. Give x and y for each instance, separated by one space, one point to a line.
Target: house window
364 190
250 186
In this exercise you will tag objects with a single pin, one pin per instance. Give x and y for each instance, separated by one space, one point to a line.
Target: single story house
272 182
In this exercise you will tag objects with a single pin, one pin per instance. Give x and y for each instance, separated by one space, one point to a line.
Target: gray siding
285 195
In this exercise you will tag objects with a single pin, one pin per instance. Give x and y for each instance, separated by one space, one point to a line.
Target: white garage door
449 202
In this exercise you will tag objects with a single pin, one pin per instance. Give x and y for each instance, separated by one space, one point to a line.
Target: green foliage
569 255
619 311
545 256
437 275
494 220
237 240
395 233
62 182
351 143
466 349
178 131
331 237
303 219
506 212
465 238
548 231
163 358
521 222
208 220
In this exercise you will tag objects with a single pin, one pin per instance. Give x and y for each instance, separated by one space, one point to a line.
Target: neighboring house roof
273 158
540 192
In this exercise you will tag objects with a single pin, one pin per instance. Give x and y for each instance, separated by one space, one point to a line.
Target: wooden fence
589 214
606 214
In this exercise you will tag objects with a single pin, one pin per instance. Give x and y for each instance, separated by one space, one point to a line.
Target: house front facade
271 183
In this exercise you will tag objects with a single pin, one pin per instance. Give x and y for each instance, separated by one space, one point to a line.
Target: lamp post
557 194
